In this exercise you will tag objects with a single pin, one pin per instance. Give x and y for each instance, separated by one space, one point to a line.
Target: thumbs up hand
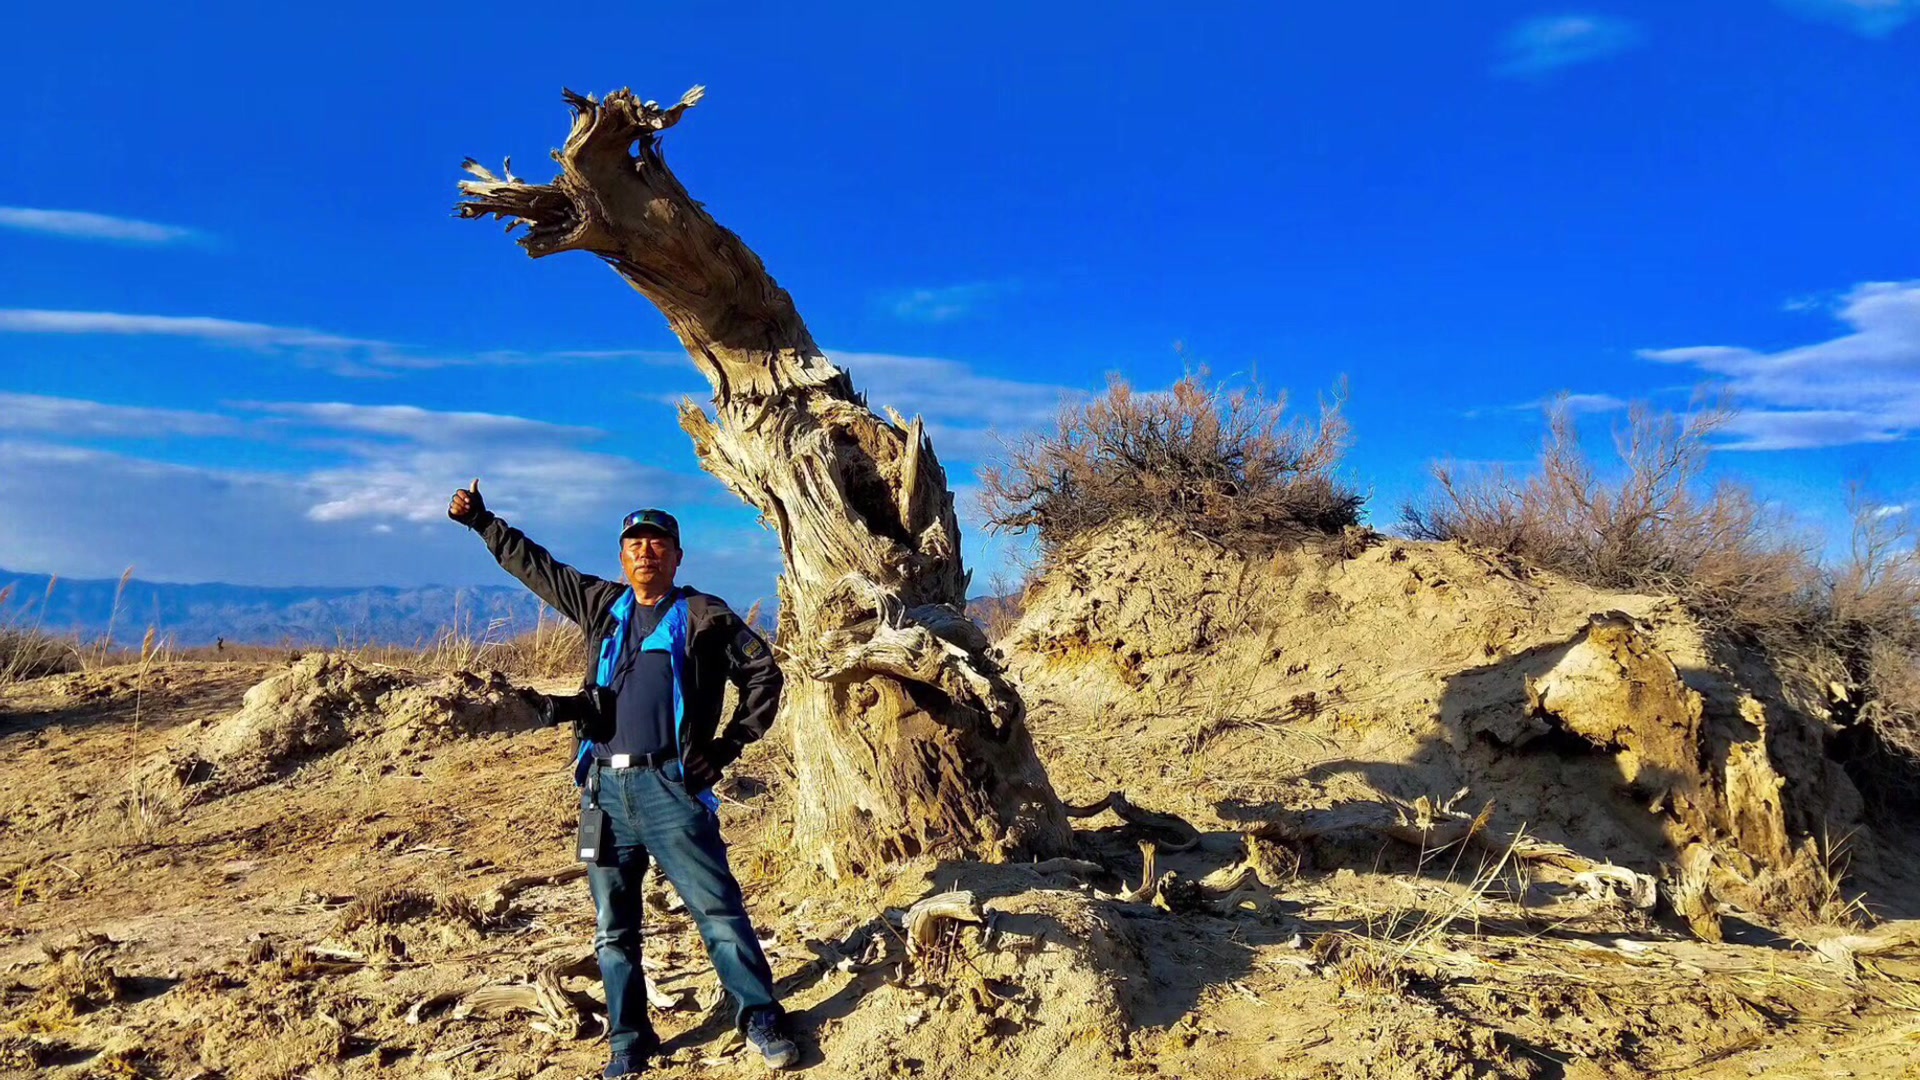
467 507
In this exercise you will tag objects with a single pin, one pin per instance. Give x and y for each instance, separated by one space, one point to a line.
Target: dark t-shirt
643 687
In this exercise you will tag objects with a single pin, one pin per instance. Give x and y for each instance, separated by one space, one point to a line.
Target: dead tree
907 737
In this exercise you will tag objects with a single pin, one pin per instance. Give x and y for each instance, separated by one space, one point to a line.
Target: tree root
922 922
494 903
556 1012
1178 833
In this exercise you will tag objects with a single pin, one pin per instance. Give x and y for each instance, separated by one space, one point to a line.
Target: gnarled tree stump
907 737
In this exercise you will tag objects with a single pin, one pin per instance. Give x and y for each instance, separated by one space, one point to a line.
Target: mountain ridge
200 613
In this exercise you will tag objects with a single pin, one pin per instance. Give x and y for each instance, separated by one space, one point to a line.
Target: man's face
649 559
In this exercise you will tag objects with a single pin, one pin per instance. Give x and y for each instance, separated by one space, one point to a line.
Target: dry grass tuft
1228 464
78 981
386 907
1359 966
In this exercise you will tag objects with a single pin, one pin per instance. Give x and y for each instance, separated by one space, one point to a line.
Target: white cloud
1578 404
1868 18
73 417
948 302
1539 45
1860 387
966 413
371 509
227 331
964 409
339 353
81 225
426 426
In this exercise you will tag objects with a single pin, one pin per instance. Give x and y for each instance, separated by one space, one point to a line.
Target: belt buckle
622 761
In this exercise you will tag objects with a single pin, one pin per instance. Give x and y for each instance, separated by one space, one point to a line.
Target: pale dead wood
907 737
554 1010
922 922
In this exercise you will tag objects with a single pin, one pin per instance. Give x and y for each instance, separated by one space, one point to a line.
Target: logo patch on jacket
749 645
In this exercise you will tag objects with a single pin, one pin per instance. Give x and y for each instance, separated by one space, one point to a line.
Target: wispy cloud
948 302
77 418
367 503
1578 404
1868 18
1549 42
341 354
425 426
966 411
81 225
1860 387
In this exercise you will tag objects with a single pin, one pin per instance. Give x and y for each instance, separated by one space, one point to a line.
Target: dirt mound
1607 723
323 703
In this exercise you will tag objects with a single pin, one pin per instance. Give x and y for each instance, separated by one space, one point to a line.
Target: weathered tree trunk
907 737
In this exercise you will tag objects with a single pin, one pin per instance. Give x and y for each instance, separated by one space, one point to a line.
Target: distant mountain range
254 615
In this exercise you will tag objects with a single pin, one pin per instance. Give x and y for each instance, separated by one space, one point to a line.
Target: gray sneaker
764 1031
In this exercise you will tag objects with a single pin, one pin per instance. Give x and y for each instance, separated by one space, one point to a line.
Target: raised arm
566 590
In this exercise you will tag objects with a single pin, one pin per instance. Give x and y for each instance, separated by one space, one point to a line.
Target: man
651 749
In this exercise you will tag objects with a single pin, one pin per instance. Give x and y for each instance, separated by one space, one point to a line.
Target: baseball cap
657 520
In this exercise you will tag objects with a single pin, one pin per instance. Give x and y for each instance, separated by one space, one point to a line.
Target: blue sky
242 338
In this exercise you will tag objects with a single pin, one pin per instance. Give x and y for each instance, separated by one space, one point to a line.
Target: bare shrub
1874 626
1738 566
1228 464
1651 527
27 652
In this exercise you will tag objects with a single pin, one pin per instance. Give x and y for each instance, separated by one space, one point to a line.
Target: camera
589 713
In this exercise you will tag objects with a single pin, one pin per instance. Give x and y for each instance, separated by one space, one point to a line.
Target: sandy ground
324 914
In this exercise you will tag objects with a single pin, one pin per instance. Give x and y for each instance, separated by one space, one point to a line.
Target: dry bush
27 652
1228 464
1737 566
1652 528
1874 626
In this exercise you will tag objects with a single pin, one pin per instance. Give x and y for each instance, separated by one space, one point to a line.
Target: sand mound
1609 723
323 702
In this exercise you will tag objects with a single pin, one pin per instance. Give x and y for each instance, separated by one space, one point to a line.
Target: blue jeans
651 814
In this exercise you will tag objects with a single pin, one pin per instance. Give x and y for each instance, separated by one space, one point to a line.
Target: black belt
635 761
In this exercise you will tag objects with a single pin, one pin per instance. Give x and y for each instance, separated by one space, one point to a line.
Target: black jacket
720 645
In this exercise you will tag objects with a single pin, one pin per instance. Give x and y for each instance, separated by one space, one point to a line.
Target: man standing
651 749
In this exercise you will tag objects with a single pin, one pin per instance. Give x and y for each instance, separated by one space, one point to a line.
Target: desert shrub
1652 526
1226 463
1873 625
26 652
29 654
1738 567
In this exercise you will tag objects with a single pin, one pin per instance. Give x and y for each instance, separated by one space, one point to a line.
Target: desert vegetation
1648 522
1242 788
1229 464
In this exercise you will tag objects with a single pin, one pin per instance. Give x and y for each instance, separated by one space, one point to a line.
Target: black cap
657 520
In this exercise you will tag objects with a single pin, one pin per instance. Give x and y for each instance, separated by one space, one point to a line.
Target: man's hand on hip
467 507
700 768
